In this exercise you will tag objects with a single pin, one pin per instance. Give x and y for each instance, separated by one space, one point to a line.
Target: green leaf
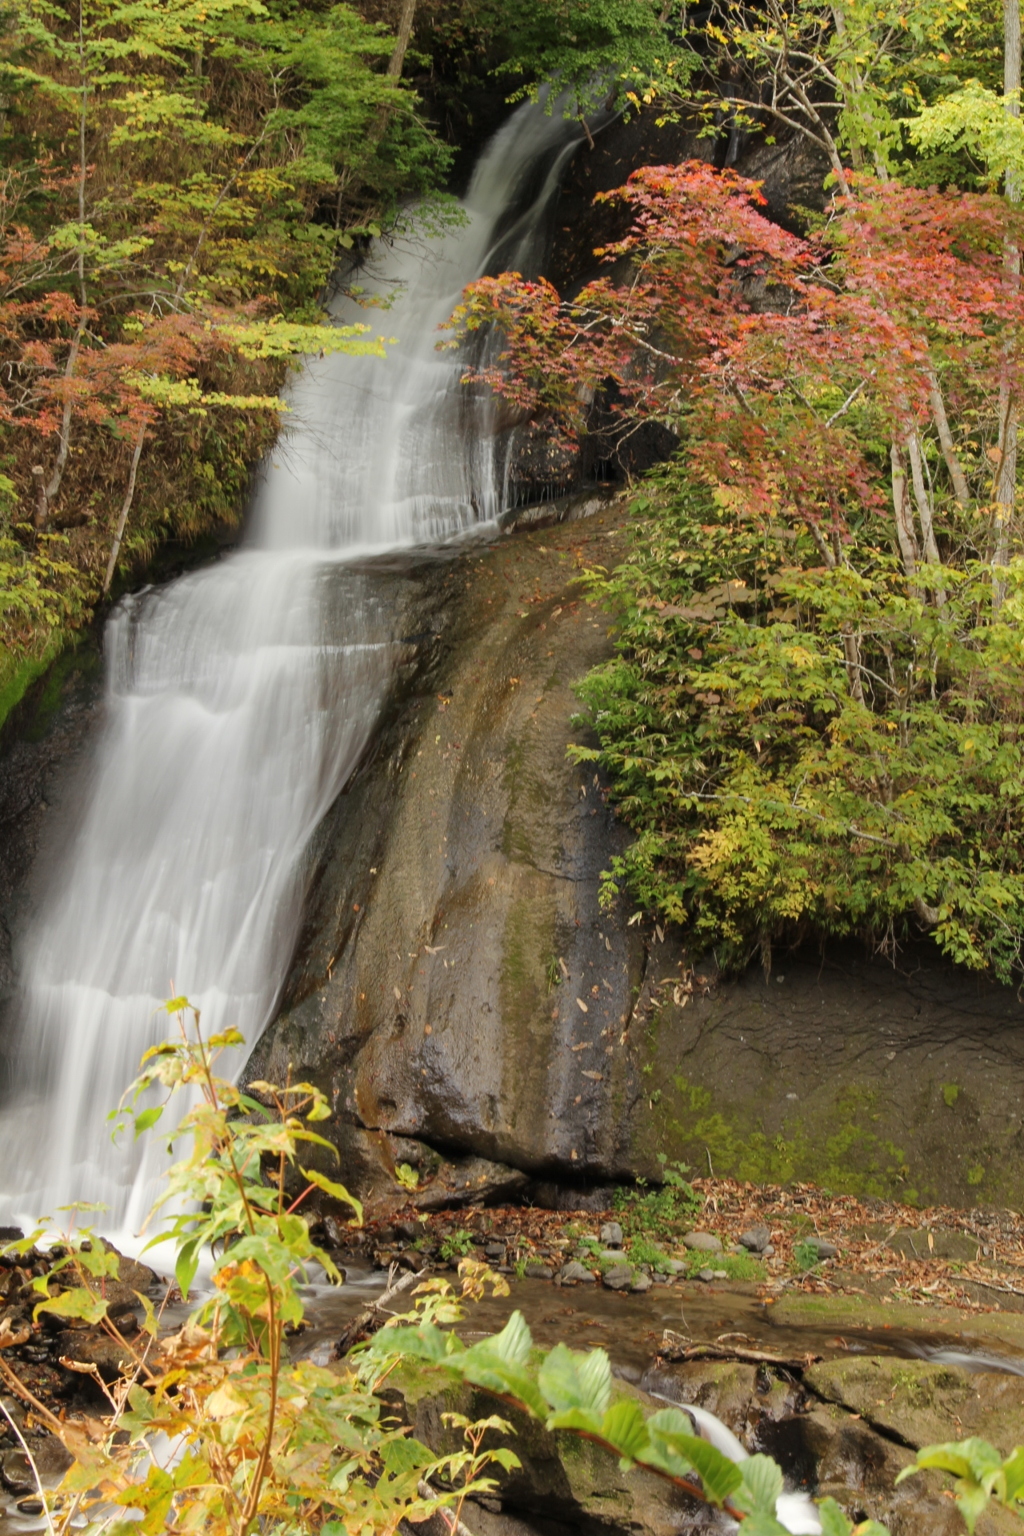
514 1342
623 1426
569 1380
484 1368
80 1302
147 1119
761 1523
186 1264
405 1454
1013 1471
972 1500
675 1449
336 1191
579 1419
762 1484
833 1521
973 1458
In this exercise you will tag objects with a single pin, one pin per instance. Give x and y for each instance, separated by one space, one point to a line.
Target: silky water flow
239 699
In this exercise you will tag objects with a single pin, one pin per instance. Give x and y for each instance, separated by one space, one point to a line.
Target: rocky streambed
836 1334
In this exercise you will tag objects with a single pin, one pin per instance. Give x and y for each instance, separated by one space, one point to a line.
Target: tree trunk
922 496
126 507
1006 474
949 453
405 22
51 489
904 517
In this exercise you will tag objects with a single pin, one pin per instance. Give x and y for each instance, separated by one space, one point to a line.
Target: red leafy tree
789 362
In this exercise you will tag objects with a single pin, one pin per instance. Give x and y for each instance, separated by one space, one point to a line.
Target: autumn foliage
814 722
179 181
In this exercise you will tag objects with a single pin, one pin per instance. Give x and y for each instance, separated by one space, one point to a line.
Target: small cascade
241 697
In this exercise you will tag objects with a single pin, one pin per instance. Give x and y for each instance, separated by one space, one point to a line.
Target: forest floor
940 1257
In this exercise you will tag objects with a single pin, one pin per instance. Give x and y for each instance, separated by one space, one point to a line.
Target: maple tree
813 722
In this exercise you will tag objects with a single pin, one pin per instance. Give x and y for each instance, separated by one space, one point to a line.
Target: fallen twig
447 1516
375 1315
673 1347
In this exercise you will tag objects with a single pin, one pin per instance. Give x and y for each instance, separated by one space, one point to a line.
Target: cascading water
239 700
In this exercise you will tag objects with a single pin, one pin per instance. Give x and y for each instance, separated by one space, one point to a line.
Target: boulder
756 1239
454 948
702 1242
93 1347
575 1273
468 1181
923 1402
611 1234
619 1278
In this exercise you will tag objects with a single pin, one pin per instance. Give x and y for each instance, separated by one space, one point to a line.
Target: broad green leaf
186 1264
426 1343
1013 1471
974 1458
405 1454
336 1191
623 1426
833 1521
514 1342
579 1419
485 1369
677 1450
569 1380
80 1302
762 1484
147 1119
762 1523
972 1500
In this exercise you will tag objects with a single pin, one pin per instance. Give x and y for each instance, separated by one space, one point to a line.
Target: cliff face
460 992
457 982
791 174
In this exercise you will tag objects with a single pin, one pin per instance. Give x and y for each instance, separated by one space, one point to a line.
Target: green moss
842 1150
18 673
950 1094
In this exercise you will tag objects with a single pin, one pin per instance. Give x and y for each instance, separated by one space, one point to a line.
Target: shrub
769 801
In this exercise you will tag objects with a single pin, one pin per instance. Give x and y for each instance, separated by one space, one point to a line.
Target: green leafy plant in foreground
215 1429
980 1475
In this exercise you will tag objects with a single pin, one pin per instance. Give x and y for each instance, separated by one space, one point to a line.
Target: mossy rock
562 1477
923 1402
1000 1333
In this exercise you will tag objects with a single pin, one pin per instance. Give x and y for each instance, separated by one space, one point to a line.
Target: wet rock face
791 172
42 746
459 990
458 982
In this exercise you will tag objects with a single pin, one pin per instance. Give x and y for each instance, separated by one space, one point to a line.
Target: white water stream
239 700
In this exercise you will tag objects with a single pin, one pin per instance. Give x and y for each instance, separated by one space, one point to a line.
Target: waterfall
241 697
